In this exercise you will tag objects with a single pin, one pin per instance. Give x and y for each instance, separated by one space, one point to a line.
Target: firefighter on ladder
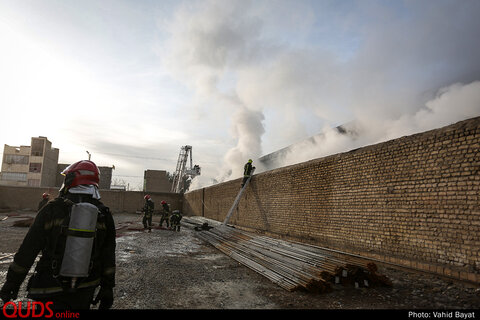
247 171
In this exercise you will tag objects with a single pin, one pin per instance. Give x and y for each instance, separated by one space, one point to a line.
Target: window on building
37 147
14 176
15 159
35 167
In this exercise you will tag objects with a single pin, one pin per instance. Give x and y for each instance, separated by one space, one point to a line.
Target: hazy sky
133 81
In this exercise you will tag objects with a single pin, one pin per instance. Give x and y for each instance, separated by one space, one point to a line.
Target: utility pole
88 155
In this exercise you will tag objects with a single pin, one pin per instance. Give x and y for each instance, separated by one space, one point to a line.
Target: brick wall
19 198
413 201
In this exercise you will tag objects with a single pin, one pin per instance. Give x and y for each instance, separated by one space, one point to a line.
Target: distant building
156 181
105 178
37 166
34 165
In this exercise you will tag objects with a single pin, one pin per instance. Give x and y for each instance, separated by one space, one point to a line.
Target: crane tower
182 172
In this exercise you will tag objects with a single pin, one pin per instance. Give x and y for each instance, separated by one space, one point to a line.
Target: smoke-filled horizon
436 114
397 69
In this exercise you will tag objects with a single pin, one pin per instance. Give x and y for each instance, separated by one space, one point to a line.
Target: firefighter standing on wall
148 213
56 234
247 171
165 213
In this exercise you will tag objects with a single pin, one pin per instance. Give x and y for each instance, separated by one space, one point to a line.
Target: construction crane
182 173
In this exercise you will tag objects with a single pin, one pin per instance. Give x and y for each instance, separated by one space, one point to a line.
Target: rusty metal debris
292 265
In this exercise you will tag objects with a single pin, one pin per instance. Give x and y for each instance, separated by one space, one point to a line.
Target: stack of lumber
292 265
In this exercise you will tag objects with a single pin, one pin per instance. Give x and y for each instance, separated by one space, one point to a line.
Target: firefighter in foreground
76 234
148 213
165 213
175 220
247 171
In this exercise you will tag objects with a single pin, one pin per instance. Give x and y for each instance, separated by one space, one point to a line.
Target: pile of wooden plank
292 265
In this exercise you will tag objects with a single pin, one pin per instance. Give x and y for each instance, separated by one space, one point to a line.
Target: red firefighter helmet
45 195
81 172
146 197
164 202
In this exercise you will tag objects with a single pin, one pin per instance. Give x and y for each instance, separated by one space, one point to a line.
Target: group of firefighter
75 234
172 220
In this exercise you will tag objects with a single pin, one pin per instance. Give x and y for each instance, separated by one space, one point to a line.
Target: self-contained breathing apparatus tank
79 242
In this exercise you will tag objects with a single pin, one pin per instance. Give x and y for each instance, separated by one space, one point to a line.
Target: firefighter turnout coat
48 235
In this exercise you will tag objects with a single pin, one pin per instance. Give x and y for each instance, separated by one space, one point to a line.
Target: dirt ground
176 270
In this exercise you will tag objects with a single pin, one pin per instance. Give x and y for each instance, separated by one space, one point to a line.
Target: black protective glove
105 297
9 291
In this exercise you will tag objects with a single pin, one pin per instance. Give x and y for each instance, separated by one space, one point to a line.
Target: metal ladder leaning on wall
237 199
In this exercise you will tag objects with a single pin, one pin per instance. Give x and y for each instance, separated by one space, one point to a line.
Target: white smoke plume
452 104
247 130
208 45
388 69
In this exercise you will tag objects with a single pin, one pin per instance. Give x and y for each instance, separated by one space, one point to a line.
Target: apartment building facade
33 166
